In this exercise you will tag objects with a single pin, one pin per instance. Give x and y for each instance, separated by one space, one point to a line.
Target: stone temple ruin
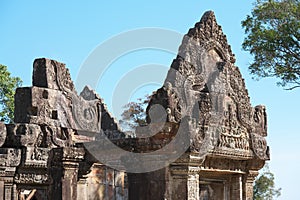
206 110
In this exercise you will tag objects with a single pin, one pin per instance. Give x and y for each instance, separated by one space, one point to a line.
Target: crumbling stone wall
42 155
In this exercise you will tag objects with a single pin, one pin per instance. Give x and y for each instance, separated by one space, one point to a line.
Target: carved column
70 163
237 187
248 184
65 172
7 187
185 182
9 160
8 191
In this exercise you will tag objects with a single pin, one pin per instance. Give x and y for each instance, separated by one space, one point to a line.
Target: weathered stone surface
41 136
44 146
52 107
53 75
108 122
2 133
10 157
226 133
204 83
42 154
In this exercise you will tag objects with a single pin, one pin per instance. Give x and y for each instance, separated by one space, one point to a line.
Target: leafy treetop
264 186
273 38
8 85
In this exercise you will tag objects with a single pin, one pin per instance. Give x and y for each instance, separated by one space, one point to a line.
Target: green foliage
273 38
8 86
264 186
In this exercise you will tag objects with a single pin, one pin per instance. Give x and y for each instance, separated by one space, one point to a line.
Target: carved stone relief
260 148
260 120
10 157
204 93
29 178
2 133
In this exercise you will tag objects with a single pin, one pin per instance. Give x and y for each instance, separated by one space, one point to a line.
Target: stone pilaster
237 187
7 187
9 191
9 160
248 184
70 163
65 172
185 182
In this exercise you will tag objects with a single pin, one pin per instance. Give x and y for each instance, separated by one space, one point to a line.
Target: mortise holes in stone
45 94
54 114
32 110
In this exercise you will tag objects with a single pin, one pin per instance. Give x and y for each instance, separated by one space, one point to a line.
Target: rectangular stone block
42 106
51 74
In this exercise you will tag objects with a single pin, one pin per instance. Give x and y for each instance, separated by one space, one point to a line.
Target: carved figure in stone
205 107
233 134
260 120
259 146
190 96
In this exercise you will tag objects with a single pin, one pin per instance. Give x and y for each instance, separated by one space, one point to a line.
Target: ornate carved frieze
204 84
67 154
73 153
233 134
36 157
225 164
32 178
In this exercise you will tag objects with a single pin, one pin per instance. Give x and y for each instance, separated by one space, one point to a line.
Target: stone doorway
212 189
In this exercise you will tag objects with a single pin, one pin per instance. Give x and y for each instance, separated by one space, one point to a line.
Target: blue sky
68 31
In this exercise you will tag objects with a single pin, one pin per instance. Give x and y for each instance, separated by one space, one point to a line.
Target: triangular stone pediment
204 84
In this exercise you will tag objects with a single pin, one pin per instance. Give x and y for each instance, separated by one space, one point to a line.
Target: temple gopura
207 118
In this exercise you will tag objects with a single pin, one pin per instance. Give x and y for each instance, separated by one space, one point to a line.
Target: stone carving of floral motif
32 178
